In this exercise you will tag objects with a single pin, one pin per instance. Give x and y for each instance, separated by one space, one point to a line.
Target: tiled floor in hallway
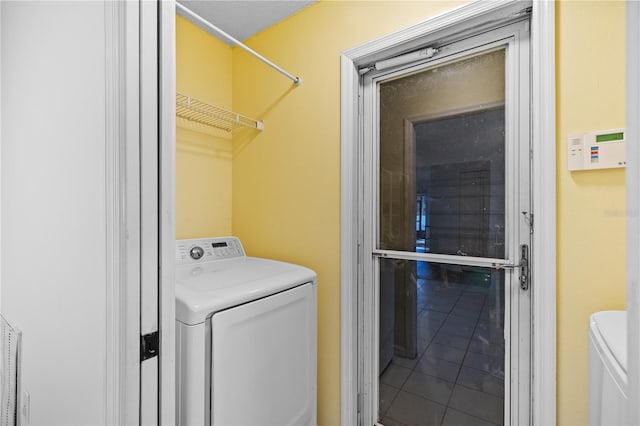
458 376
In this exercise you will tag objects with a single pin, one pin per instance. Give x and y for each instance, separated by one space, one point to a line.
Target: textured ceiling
242 18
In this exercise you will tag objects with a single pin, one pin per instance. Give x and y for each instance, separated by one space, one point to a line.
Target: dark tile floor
458 376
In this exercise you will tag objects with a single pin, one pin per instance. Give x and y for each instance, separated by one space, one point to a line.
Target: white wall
53 203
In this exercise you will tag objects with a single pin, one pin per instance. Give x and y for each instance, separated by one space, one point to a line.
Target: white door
446 314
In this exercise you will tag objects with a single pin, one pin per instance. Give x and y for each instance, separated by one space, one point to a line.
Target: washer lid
209 287
611 328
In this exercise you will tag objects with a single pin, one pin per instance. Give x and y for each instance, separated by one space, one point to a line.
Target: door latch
524 267
149 346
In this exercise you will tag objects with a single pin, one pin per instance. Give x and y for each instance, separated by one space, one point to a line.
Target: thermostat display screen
609 137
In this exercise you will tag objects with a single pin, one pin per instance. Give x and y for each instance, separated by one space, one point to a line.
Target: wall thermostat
604 149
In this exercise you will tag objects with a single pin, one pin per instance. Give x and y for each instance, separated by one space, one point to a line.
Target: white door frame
123 212
633 207
167 209
149 206
130 132
543 269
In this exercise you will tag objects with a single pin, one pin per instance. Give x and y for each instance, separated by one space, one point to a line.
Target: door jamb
633 208
543 269
122 124
166 207
123 198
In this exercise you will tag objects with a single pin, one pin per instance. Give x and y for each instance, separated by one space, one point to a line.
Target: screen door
447 234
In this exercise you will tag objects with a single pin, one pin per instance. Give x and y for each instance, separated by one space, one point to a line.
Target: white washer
608 368
246 337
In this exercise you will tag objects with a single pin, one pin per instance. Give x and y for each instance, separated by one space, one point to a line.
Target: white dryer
246 337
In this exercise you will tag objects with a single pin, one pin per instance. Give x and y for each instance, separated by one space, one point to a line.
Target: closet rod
296 80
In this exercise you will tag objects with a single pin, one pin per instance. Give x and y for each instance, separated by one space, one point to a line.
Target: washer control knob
196 252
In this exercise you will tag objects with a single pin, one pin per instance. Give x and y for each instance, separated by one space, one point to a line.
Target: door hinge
149 346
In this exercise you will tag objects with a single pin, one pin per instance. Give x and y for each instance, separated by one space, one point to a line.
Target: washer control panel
208 249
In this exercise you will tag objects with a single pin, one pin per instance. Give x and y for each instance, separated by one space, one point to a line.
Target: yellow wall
203 155
591 222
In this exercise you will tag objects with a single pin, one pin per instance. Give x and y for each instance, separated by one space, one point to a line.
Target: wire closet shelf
201 112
